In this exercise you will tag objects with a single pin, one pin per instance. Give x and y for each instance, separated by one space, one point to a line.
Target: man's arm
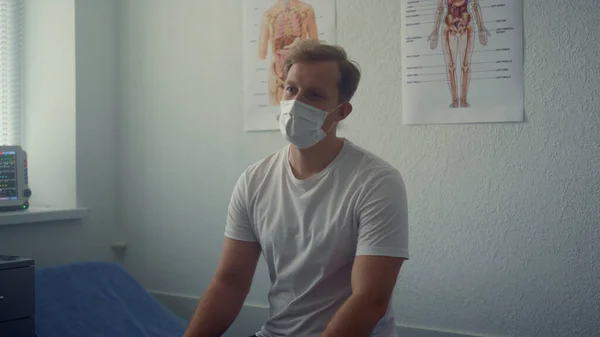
311 24
438 16
382 247
433 37
482 31
224 297
373 282
263 38
478 16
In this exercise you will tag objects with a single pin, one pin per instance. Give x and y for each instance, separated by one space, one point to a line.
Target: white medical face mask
300 123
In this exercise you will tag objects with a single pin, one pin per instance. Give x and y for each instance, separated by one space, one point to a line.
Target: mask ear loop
332 111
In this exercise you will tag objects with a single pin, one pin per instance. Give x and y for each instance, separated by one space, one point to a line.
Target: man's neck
306 163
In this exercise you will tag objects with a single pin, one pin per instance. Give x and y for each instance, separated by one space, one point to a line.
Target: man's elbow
263 47
379 310
375 307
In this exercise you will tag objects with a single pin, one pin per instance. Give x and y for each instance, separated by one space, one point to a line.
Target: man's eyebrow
319 90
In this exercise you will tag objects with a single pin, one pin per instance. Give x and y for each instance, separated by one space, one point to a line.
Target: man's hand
433 39
373 282
483 35
223 299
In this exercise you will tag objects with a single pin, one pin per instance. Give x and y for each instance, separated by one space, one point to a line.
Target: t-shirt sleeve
238 225
383 217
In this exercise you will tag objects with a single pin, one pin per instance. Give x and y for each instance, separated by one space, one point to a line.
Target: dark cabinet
17 296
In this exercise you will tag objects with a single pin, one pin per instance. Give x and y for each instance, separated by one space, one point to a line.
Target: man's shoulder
265 166
306 7
272 10
372 167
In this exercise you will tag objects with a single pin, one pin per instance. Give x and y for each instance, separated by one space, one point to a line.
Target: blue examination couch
98 299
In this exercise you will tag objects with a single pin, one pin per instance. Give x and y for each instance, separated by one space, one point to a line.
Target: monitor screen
8 176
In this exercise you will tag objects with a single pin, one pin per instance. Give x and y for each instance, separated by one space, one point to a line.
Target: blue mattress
98 299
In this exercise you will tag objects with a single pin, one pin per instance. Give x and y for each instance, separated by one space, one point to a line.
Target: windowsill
42 214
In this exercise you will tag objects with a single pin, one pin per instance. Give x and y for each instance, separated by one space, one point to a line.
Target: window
38 99
11 48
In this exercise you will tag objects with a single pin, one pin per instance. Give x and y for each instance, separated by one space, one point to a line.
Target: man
329 218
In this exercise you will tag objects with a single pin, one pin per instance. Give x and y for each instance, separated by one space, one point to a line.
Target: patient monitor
14 184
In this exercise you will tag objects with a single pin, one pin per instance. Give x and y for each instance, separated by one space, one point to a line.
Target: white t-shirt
311 230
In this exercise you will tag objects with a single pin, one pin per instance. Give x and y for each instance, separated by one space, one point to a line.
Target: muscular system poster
462 61
271 27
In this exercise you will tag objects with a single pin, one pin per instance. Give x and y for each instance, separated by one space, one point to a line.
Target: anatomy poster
271 27
462 61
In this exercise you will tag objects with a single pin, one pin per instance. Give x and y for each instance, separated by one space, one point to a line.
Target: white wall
504 217
70 125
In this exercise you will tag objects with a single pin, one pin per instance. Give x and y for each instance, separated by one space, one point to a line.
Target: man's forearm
357 317
218 308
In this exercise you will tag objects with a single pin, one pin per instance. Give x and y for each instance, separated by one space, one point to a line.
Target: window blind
11 49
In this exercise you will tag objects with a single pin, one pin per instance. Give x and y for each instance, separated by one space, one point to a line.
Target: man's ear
344 111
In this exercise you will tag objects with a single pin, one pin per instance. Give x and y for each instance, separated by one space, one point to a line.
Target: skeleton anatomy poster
462 61
271 27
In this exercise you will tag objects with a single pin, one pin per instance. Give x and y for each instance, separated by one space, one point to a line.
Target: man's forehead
325 72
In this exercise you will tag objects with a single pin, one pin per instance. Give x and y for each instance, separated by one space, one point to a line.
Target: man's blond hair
306 51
